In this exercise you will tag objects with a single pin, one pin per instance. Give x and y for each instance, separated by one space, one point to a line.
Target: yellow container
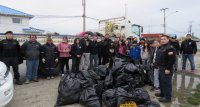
129 104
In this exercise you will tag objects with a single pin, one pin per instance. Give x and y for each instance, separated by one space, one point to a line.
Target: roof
9 11
33 30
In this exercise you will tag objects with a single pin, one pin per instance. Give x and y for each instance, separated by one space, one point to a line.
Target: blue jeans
32 69
95 59
191 59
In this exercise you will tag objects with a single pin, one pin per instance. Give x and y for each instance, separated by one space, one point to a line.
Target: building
16 21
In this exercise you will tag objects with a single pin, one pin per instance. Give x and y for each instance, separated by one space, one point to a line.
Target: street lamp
164 25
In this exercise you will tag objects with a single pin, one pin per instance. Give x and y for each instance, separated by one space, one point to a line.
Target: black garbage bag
150 77
94 75
130 68
88 77
99 88
123 79
141 96
138 81
118 63
101 70
150 104
68 91
89 97
108 82
109 98
123 96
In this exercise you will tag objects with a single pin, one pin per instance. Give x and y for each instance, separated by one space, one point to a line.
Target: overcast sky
144 12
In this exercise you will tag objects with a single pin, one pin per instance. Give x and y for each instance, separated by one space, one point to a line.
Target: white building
16 21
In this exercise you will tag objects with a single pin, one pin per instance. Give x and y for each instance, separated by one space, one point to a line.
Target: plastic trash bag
130 68
109 98
101 70
122 96
89 98
108 82
68 91
150 104
141 96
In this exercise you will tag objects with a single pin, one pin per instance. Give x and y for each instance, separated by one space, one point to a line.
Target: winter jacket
9 48
188 47
94 47
135 53
85 48
49 52
76 50
31 50
62 47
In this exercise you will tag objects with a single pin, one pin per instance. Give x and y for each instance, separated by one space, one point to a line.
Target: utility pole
190 28
164 25
84 15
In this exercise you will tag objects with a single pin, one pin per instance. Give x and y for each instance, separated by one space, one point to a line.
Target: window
16 20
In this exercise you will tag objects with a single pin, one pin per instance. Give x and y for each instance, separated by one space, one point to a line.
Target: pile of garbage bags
104 87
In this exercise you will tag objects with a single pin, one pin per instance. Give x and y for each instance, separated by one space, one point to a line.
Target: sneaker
193 71
164 100
158 95
18 82
27 82
35 80
52 77
48 78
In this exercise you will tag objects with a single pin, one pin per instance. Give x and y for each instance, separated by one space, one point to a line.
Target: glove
56 60
43 60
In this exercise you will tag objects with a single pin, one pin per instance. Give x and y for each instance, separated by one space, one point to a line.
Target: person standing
112 52
153 59
85 58
100 50
165 62
10 52
49 58
105 49
135 53
188 50
175 44
145 55
31 49
94 47
76 51
64 49
121 48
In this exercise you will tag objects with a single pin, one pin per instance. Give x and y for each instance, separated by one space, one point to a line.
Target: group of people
86 53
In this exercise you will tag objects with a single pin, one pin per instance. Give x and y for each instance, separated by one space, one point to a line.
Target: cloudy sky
143 12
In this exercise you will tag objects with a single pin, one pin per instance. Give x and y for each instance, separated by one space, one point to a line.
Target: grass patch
194 99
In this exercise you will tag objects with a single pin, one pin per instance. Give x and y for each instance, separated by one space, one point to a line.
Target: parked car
6 85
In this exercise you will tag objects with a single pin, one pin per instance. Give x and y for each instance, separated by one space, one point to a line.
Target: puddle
183 86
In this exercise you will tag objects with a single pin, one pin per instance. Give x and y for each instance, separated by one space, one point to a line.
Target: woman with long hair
76 52
64 49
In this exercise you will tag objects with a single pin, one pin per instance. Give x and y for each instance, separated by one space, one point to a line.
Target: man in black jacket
165 62
105 49
188 50
94 47
85 58
10 51
175 44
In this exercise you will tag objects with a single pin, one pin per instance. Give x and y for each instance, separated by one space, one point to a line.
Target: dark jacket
94 47
166 56
100 49
188 47
31 50
76 50
9 48
49 52
176 45
112 51
105 46
85 48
